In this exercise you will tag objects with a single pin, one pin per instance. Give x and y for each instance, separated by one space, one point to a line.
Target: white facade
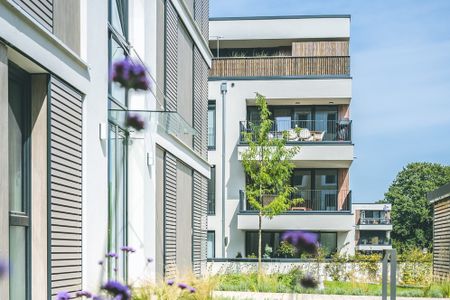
228 223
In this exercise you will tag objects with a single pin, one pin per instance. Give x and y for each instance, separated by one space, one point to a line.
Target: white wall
295 28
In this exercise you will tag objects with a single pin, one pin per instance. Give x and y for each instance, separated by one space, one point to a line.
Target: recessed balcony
314 201
280 66
302 131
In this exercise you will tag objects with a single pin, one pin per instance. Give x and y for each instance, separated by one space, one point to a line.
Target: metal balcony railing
375 221
273 66
295 131
313 200
376 240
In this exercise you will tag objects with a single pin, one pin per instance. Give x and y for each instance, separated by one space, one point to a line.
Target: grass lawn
288 283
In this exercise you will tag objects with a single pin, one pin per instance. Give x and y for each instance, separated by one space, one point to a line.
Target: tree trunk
259 244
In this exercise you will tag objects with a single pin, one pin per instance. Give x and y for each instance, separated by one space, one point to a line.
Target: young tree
267 164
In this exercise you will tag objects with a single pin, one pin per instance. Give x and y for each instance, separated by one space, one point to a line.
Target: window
211 124
211 242
212 192
118 47
19 119
272 239
118 202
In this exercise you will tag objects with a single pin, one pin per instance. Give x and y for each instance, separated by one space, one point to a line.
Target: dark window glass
212 125
119 16
212 192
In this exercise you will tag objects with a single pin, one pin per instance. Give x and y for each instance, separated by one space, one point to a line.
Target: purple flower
112 255
135 121
170 282
306 241
62 296
191 289
308 282
3 268
127 249
182 286
130 75
118 290
84 293
97 298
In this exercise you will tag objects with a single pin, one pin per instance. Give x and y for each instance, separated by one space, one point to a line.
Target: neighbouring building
75 181
301 64
372 227
440 199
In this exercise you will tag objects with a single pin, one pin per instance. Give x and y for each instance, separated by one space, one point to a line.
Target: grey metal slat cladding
170 215
171 56
199 223
200 104
65 178
201 15
40 10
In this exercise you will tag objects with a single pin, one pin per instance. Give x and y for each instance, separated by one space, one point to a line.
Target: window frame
212 106
213 232
23 218
212 212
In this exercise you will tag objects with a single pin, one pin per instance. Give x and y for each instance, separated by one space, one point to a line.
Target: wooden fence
280 66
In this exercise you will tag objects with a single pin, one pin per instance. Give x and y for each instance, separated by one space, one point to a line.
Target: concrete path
281 296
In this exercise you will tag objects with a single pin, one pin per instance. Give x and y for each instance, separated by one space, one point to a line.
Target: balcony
281 66
373 243
378 223
322 201
302 131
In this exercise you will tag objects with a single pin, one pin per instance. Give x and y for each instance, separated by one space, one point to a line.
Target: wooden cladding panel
441 239
280 66
320 48
170 215
65 187
199 223
40 10
343 186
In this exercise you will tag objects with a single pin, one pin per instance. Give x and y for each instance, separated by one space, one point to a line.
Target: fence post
389 257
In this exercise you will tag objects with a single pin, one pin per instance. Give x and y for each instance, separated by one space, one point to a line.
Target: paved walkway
280 296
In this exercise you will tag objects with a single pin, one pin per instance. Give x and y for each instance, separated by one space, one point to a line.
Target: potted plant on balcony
267 164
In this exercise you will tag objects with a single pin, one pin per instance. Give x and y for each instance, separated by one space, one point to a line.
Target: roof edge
344 16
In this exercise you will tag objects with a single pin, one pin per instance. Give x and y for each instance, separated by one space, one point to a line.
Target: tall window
211 243
211 124
117 146
212 192
117 216
118 46
19 182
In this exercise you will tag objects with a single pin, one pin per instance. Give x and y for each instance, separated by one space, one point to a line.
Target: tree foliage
267 164
411 211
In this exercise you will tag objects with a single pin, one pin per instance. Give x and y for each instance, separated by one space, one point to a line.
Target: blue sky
401 80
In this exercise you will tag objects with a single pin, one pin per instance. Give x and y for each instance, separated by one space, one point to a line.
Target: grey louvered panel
65 187
201 15
199 223
200 104
40 10
170 216
171 57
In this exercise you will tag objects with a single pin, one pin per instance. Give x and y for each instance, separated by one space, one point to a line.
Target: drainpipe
223 91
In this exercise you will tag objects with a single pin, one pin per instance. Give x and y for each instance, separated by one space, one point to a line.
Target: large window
211 244
118 47
212 192
272 240
19 118
212 125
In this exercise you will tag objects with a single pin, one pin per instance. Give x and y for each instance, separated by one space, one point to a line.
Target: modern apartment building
75 181
372 227
301 64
